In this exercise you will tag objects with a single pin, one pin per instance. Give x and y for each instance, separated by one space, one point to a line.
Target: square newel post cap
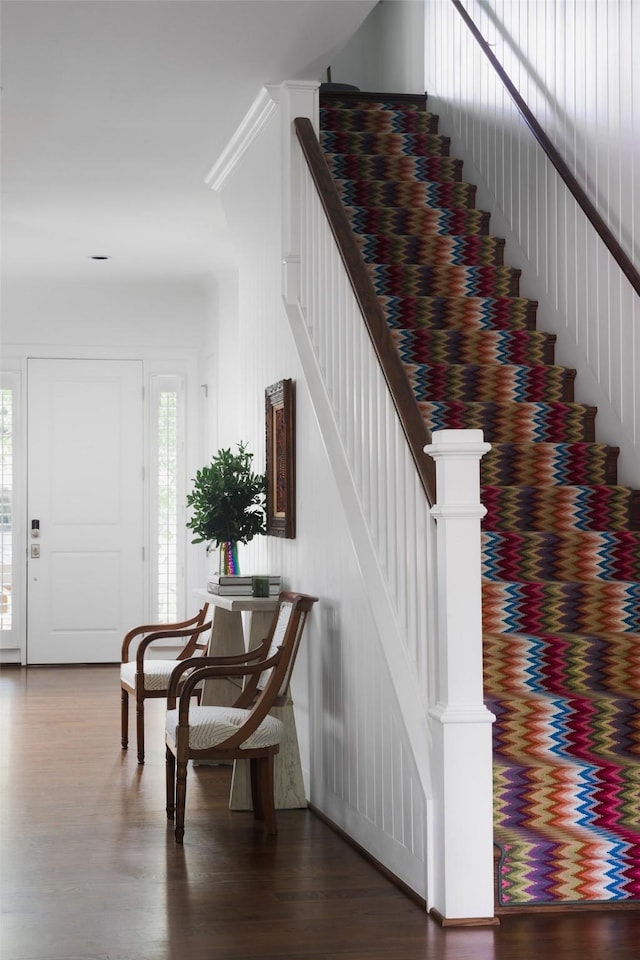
455 442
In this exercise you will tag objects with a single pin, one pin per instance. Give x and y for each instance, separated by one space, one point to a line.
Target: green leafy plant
228 499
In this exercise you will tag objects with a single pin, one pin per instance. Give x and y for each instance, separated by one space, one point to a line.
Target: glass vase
228 564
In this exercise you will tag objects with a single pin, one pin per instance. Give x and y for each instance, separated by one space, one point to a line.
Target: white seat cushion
157 673
209 726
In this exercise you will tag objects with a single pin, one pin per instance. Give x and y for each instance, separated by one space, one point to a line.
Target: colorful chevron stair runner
561 547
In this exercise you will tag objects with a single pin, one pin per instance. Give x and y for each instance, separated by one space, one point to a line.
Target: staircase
561 540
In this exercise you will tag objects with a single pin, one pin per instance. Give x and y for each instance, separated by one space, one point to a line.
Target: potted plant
228 505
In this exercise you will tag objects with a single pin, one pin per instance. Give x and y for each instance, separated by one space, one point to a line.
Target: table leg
258 628
227 639
288 783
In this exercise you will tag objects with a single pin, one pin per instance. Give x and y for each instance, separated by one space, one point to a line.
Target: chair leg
140 728
256 799
264 771
171 784
124 719
181 798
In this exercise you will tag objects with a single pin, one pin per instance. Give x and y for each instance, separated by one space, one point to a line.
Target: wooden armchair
245 730
144 677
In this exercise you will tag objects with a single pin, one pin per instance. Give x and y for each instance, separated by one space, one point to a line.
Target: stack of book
228 585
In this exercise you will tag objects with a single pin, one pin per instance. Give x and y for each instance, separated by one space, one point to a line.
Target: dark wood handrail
607 237
413 425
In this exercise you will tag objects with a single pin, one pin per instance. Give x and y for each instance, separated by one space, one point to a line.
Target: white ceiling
113 111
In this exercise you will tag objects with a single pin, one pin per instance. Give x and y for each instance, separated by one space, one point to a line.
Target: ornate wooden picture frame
280 460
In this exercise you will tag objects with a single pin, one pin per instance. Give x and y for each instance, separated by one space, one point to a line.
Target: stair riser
392 279
594 731
573 557
521 347
411 169
389 193
389 144
459 313
520 666
359 100
549 464
435 251
561 608
377 121
508 422
418 221
489 383
557 508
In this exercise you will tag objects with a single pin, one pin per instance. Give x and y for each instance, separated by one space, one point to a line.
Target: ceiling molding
262 108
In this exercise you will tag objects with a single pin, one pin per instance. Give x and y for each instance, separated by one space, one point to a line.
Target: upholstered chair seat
157 673
209 726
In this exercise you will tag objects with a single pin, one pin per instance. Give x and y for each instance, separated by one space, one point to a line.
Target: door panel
85 489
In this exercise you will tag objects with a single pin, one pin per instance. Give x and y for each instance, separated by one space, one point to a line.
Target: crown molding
258 115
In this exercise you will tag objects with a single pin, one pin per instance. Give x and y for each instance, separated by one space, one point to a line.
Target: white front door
85 499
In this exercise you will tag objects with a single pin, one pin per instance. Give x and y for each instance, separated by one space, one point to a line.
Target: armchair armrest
146 642
157 628
221 667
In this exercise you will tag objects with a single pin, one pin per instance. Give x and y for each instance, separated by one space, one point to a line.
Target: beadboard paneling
573 62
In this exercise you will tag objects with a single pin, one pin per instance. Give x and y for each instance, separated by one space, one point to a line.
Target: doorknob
35 528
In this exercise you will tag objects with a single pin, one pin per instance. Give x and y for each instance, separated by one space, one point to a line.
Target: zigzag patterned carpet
561 551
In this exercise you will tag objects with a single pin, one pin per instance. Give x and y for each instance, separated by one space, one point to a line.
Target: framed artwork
280 460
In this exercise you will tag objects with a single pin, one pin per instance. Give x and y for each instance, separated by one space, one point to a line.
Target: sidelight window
168 497
6 509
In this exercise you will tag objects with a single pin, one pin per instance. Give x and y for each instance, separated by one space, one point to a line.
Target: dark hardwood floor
90 870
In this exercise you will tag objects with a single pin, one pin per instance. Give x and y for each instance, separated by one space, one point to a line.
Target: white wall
357 765
102 313
387 52
575 62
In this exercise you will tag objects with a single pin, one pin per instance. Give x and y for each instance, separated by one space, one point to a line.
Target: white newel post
460 723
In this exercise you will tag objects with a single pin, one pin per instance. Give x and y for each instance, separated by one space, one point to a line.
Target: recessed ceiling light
99 257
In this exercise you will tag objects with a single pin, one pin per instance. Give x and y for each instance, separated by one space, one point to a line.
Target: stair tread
488 269
560 490
524 347
367 143
353 102
498 382
491 368
444 280
449 194
530 405
466 312
444 218
512 419
546 463
372 167
364 119
454 250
